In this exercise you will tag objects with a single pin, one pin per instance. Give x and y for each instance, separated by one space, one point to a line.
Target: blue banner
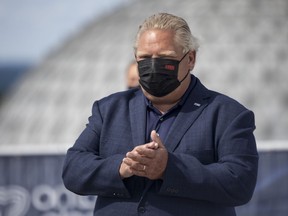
32 185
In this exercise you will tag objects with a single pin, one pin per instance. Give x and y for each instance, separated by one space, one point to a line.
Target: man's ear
192 59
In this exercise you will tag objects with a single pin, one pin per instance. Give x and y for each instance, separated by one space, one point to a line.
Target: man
132 77
172 147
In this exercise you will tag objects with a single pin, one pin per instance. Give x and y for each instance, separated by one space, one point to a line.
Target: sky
30 28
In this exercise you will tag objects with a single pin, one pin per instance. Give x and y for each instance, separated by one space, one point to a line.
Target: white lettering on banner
49 200
44 198
14 201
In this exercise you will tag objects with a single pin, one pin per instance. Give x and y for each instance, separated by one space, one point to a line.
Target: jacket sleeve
230 180
83 165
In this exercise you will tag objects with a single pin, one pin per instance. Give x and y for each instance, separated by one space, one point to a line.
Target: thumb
156 138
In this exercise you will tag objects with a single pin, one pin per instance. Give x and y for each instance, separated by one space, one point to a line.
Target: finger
146 152
134 165
156 138
142 158
134 155
127 161
152 145
125 171
139 171
156 145
138 167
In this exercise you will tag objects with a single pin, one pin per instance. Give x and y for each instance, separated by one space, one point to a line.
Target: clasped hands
148 160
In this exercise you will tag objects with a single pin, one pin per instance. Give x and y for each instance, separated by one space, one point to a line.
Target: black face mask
158 76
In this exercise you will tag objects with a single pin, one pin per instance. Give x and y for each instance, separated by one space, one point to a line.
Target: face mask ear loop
184 56
185 76
188 70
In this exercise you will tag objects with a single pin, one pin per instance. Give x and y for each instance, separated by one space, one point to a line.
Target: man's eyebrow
162 53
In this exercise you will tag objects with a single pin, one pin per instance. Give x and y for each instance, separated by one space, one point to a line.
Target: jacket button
141 209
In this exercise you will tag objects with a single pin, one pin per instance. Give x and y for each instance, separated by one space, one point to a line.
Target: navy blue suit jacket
212 161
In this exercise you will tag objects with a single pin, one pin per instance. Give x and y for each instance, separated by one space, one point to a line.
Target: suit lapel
138 118
192 108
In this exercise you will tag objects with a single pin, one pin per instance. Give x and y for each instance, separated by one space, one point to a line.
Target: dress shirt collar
182 100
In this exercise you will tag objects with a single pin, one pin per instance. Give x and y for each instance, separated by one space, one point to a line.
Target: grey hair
165 21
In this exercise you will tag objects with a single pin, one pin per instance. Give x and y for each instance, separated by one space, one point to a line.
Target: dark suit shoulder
224 108
227 102
218 100
119 99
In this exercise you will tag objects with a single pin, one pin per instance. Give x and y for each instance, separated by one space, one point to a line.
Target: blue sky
30 28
